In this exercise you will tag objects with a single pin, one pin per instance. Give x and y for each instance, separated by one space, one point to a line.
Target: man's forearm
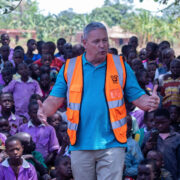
51 104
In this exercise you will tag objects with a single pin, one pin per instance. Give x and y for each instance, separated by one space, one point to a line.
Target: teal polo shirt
94 130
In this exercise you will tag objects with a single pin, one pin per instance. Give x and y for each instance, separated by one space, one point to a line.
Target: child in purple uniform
43 136
15 167
22 89
7 103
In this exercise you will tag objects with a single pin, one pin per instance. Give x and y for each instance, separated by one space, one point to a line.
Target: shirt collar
87 62
25 164
30 124
28 81
12 116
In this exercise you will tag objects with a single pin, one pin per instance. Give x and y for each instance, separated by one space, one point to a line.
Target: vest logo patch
114 78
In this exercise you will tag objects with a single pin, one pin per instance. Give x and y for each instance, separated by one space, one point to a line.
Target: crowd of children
31 150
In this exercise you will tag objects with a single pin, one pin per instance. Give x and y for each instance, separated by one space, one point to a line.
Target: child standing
22 89
4 126
15 167
171 85
43 136
7 103
45 84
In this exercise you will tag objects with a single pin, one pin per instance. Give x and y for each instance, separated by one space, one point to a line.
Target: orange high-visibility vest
114 84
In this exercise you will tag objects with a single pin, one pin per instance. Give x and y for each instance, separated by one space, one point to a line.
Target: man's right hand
41 114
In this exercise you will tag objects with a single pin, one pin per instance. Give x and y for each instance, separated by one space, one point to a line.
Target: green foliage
68 23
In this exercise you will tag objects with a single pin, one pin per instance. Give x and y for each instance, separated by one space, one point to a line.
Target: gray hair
92 26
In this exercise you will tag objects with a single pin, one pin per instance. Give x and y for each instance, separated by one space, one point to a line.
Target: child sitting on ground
15 167
43 136
32 156
7 104
22 89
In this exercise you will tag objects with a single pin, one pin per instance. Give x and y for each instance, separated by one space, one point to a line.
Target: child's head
162 120
146 170
23 70
4 125
31 45
136 64
78 49
142 77
14 149
6 101
39 46
35 98
5 51
67 49
5 40
45 69
7 75
19 48
113 51
35 71
175 68
167 56
49 48
156 156
46 59
131 55
143 54
8 64
163 45
149 120
151 68
133 41
60 44
151 50
63 167
33 109
18 57
126 49
55 120
27 142
174 112
45 80
62 133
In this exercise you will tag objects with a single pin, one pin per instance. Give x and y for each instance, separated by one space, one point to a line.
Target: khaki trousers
105 164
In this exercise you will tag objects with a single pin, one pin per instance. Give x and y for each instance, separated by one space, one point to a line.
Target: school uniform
27 171
44 137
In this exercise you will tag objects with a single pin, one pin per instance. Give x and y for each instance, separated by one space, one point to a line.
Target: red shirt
55 64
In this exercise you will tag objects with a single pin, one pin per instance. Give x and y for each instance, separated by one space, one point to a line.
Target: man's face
96 45
5 40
